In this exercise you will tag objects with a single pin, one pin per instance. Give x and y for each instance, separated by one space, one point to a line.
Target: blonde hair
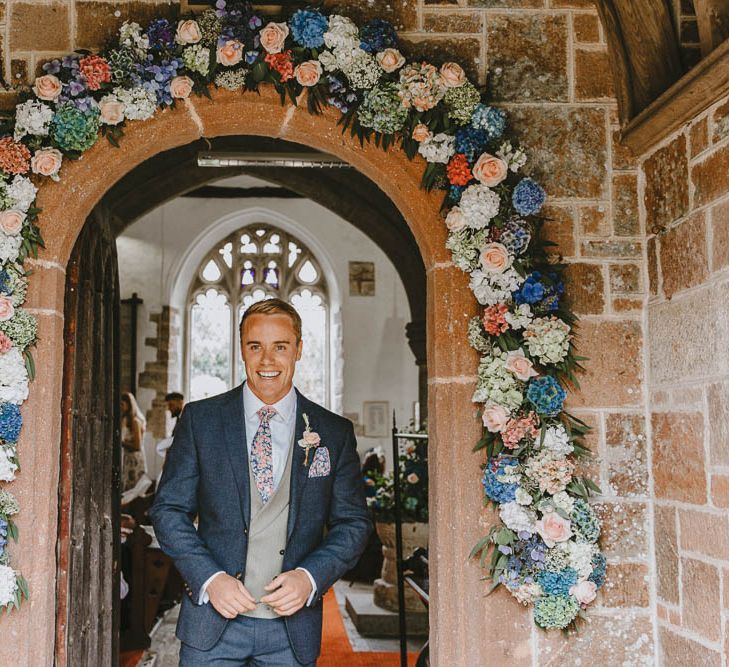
273 307
134 410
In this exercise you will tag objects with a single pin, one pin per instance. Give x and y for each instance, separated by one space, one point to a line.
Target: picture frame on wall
376 418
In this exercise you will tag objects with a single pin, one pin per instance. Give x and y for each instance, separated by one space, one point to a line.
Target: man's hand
229 596
290 591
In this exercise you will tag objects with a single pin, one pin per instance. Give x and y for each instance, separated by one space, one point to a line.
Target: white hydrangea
197 59
514 158
518 518
8 585
32 117
7 467
361 68
9 247
13 377
21 192
557 441
496 384
493 288
438 148
521 316
342 33
139 103
8 503
527 593
131 35
563 501
479 204
523 497
580 556
548 339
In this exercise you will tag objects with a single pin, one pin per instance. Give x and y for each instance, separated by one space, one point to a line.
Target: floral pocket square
320 464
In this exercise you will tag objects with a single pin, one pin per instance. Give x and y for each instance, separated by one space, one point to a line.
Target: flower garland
545 551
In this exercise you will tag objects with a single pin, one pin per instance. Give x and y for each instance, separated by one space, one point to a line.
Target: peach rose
47 87
413 478
111 110
11 222
188 32
452 75
181 87
553 529
421 132
6 308
495 258
390 60
311 438
495 418
455 220
273 37
231 53
489 170
47 162
308 73
520 365
585 592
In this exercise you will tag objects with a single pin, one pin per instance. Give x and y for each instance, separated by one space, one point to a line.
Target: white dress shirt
283 426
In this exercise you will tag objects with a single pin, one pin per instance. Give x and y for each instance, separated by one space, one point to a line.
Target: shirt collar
285 408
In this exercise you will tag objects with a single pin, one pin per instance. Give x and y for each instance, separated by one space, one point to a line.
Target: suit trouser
260 642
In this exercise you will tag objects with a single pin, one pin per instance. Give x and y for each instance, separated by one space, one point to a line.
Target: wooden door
87 628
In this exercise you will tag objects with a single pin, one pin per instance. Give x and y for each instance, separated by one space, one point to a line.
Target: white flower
8 585
527 593
557 441
7 467
139 103
563 501
342 33
493 288
548 339
197 59
13 377
521 316
130 35
438 148
22 193
328 61
523 497
479 204
518 518
10 247
580 557
32 117
496 385
515 158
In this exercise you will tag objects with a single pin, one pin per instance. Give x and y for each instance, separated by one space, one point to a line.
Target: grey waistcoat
267 537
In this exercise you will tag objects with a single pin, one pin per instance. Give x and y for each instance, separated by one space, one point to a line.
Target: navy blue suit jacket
206 475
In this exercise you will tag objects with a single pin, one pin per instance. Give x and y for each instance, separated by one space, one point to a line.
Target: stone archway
458 601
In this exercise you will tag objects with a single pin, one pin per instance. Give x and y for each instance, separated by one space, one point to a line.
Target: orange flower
14 156
281 63
95 70
459 173
494 321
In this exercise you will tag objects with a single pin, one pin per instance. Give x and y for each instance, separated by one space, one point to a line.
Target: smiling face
270 352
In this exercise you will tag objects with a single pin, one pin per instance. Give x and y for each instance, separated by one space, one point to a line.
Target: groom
266 472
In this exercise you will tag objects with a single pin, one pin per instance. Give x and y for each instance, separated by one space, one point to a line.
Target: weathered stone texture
710 177
437 50
625 205
720 236
402 14
652 251
705 533
453 22
34 24
626 585
593 76
585 288
586 28
701 605
594 221
611 248
560 229
623 529
718 401
684 255
666 185
721 122
666 546
625 278
625 455
678 651
699 137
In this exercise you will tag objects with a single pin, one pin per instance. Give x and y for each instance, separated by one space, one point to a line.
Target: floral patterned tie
262 454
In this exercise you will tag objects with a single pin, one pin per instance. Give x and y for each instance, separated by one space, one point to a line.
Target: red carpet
336 649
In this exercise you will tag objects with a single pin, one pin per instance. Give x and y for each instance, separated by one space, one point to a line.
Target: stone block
720 496
586 28
710 177
684 255
666 546
625 278
625 454
721 122
19 72
611 248
701 591
623 157
585 288
39 27
717 395
624 529
705 533
623 304
626 585
625 205
593 75
581 134
593 221
527 57
454 22
679 651
666 185
678 456
437 50
699 137
403 14
572 4
652 251
720 236
560 229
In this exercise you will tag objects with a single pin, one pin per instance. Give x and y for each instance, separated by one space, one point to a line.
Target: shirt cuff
313 586
204 598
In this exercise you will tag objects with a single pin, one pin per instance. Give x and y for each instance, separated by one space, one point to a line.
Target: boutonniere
310 439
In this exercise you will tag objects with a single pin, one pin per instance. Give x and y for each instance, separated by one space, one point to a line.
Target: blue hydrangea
6 282
528 197
308 27
377 35
161 34
515 236
546 395
157 77
73 129
543 292
494 488
471 142
557 583
3 534
10 422
488 118
599 565
455 192
585 522
531 291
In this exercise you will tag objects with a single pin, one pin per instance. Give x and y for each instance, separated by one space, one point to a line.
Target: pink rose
520 365
311 438
111 110
47 162
413 478
585 592
47 87
5 343
495 418
455 220
188 32
181 87
421 132
390 60
452 75
308 73
553 529
11 222
230 53
6 308
495 258
273 36
489 170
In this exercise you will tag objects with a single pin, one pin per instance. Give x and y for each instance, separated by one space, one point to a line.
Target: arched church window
255 263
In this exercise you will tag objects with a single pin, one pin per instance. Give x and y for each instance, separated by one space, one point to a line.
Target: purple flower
52 67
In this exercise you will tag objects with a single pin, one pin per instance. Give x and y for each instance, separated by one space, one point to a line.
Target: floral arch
545 548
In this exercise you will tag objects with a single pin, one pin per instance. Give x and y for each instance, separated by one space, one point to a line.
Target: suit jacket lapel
299 472
233 417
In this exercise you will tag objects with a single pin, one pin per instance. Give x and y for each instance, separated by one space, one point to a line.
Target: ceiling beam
712 17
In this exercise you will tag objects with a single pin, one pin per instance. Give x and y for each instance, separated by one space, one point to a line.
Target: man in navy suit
266 472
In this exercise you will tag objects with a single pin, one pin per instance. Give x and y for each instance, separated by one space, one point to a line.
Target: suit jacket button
245 531
281 552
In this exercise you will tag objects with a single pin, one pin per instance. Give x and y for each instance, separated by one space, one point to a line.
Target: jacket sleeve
175 507
349 522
